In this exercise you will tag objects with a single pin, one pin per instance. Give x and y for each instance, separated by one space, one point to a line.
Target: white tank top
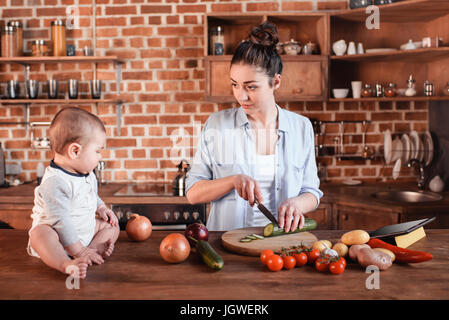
264 175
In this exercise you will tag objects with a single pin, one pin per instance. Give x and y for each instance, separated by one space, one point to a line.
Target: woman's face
251 87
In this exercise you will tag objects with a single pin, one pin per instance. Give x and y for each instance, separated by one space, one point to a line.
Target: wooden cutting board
230 240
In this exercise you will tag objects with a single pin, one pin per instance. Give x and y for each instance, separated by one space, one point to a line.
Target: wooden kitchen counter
136 271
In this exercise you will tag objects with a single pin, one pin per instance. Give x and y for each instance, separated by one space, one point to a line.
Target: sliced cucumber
246 240
270 230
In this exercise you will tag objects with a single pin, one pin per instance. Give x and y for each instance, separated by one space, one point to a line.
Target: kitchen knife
267 213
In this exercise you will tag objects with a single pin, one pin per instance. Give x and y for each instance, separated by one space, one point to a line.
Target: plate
351 182
416 143
396 149
428 148
377 50
406 146
397 169
387 146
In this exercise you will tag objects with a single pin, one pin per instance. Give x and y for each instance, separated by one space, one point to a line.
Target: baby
71 224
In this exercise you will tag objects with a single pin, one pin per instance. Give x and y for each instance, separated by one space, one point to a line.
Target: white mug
356 89
351 48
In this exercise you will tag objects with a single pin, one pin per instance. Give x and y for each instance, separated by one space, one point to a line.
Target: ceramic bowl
340 93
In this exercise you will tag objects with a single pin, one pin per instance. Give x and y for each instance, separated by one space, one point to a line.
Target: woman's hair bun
265 34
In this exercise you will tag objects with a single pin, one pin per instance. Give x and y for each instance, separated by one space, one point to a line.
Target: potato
341 249
368 257
322 244
355 237
391 254
353 250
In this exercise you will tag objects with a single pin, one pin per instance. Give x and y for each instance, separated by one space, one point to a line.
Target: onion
197 231
138 227
174 248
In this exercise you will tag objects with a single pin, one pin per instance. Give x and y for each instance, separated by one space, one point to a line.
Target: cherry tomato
301 259
343 260
337 267
265 254
289 262
275 262
313 255
322 264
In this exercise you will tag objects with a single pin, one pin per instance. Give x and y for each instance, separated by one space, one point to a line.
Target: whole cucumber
270 230
210 257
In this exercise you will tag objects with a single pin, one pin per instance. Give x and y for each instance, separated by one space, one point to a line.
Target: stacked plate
407 147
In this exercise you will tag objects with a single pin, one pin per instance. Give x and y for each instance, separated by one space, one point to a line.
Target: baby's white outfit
67 202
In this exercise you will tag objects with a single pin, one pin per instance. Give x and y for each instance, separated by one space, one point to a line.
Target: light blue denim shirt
226 147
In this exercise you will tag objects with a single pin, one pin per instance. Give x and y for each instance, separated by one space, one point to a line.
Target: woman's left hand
290 215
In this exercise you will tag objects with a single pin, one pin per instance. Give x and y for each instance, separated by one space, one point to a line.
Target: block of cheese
406 240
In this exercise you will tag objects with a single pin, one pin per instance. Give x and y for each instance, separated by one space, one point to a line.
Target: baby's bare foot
77 267
105 249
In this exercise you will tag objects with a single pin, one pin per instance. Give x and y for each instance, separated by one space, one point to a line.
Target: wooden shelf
60 101
403 11
416 98
422 54
65 59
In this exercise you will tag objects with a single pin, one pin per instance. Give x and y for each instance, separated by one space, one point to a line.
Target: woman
258 152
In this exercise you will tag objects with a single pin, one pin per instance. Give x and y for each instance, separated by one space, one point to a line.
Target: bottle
391 90
410 91
19 37
218 42
58 38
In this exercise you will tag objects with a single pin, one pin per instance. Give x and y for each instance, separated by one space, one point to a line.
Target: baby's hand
91 255
107 215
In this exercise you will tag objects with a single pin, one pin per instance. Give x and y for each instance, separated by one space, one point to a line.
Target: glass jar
19 37
9 41
58 38
217 42
411 90
390 91
367 91
39 48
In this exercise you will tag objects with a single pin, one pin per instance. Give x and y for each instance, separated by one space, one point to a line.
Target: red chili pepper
402 255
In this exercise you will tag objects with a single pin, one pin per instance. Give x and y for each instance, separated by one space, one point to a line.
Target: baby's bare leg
104 238
45 241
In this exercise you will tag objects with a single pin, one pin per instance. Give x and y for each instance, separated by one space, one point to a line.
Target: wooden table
136 271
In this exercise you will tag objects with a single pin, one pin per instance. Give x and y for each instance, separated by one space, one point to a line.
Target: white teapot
436 184
339 47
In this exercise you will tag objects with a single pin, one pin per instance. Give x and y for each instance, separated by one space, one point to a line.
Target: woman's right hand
247 188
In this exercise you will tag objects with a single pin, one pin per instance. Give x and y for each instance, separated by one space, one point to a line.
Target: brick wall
163 78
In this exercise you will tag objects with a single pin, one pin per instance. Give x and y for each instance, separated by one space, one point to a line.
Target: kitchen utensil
230 241
400 228
179 183
32 87
292 47
340 93
52 87
266 213
309 48
72 84
351 48
95 89
13 89
356 89
368 151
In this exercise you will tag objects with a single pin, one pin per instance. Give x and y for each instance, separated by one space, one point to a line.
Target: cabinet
27 61
323 216
398 23
356 216
304 77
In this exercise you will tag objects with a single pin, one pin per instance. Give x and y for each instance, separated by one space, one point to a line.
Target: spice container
9 41
58 38
367 91
19 36
390 91
410 91
39 48
217 42
428 88
379 90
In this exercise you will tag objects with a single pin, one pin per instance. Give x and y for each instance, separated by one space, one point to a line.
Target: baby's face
91 153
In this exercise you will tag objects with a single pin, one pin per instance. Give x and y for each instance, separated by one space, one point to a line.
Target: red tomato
289 262
301 259
265 254
275 263
337 267
322 264
343 260
313 255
